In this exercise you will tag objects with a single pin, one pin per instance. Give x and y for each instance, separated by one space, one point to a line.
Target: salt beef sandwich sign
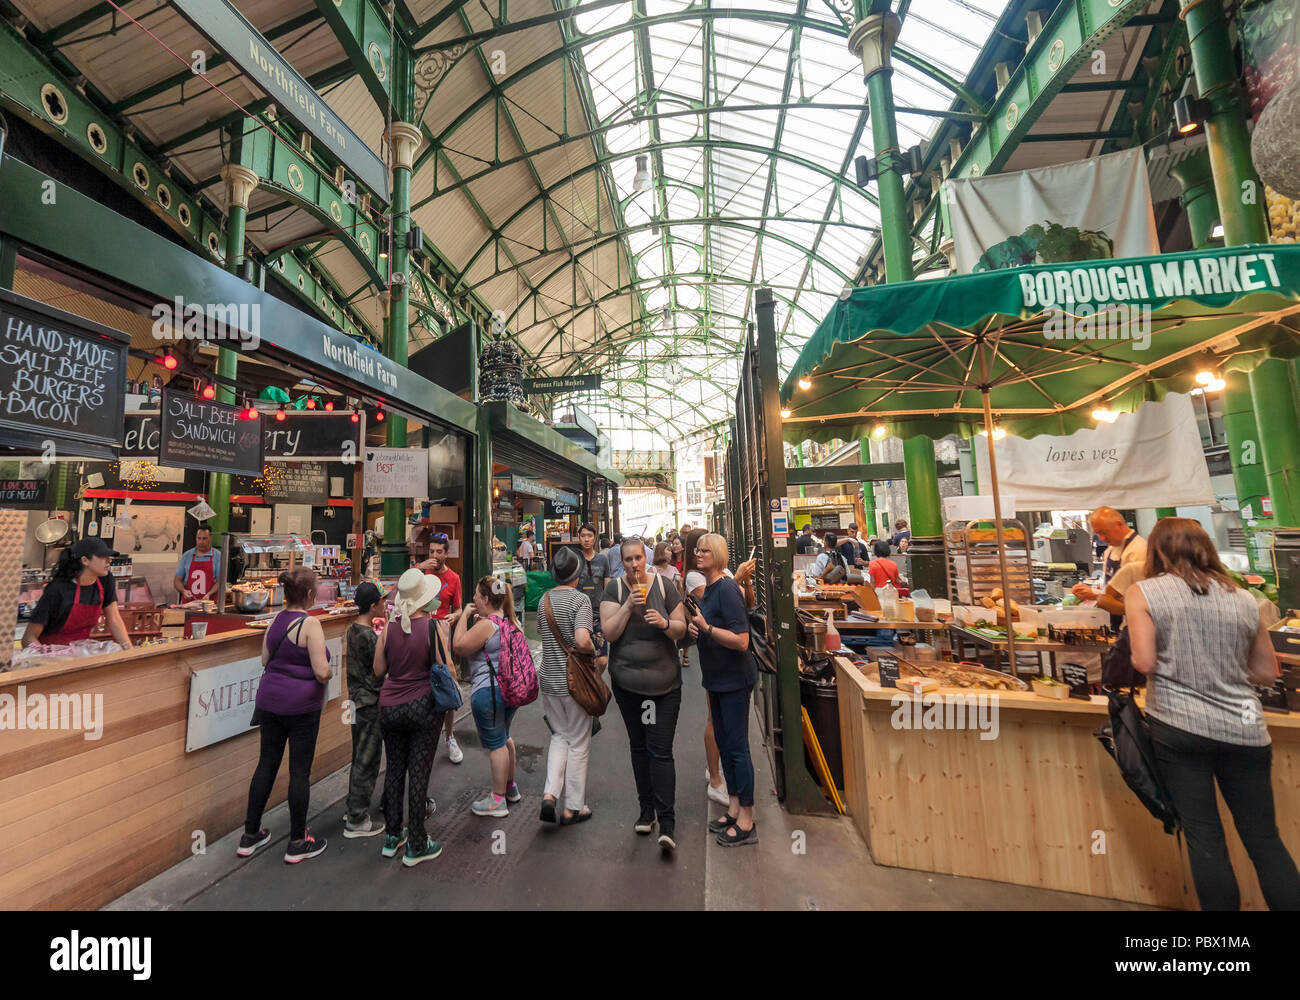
207 435
62 381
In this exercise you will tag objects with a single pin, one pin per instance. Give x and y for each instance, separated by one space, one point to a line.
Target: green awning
1050 343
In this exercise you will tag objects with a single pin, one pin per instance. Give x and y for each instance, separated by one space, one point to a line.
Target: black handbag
1117 669
759 648
1126 736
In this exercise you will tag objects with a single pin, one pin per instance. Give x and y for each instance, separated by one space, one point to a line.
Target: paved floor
520 863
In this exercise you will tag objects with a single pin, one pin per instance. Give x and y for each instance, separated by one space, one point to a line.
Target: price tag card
889 670
1076 676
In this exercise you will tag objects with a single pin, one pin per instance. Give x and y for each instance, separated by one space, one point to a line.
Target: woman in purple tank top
289 702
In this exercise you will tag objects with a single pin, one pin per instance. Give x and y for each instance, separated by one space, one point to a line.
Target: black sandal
741 837
548 811
578 817
721 824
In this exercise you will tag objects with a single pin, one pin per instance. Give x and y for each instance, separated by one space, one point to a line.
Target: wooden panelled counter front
83 821
1041 805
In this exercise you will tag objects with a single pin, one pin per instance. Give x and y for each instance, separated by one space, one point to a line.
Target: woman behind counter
81 589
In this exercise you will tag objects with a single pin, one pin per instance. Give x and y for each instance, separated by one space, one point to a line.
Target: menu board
889 670
299 482
201 434
23 493
826 522
1076 675
62 380
301 435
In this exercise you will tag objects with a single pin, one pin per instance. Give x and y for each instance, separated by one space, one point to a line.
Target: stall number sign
396 472
61 377
207 435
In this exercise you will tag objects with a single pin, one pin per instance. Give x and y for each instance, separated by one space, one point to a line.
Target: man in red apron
199 570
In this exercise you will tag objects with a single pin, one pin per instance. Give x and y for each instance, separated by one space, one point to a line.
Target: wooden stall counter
106 795
1023 793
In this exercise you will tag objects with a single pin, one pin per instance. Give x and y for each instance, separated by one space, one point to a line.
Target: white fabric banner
1151 458
1092 209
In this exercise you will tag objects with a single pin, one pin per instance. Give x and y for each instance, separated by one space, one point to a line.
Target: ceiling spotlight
642 181
1104 414
805 383
1190 114
496 491
785 414
383 246
1205 377
998 433
879 431
1216 385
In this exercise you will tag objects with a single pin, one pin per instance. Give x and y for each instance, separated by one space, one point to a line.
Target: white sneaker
719 794
454 751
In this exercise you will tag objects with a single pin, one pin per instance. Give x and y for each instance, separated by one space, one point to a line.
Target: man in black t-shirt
805 544
593 574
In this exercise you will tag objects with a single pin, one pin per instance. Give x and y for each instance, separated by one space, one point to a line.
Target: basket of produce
1046 687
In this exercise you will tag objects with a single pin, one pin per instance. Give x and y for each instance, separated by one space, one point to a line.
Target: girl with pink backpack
502 678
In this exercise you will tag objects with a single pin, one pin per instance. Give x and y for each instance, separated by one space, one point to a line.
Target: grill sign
211 436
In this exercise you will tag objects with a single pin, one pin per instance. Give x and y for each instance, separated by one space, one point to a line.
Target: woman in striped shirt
1199 638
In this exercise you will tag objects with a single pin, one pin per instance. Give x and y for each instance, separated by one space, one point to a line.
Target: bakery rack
971 555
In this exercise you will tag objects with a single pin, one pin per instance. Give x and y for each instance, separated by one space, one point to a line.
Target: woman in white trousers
566 761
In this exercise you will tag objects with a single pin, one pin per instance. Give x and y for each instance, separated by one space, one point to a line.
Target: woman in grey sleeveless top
1198 637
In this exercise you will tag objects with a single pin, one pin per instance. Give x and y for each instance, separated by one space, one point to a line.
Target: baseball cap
88 547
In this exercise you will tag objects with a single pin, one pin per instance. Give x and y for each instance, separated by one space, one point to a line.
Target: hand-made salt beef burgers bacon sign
200 434
61 379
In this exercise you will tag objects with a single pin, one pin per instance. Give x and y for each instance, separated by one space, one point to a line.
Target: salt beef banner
1151 458
1096 208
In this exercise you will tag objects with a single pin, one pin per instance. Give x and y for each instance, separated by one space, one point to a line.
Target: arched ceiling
750 113
534 113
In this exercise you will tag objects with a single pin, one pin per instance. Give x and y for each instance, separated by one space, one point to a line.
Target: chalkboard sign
198 434
889 670
1077 677
324 436
62 379
825 522
559 508
23 494
299 482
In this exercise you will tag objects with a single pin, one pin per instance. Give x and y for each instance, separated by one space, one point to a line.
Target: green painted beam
154 266
870 472
216 61
376 49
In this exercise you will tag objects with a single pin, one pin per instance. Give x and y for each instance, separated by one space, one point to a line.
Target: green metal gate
755 476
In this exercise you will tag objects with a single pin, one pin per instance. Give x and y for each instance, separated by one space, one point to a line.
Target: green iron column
870 528
1242 431
1197 199
241 182
481 480
1273 394
798 454
872 40
395 556
1236 184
